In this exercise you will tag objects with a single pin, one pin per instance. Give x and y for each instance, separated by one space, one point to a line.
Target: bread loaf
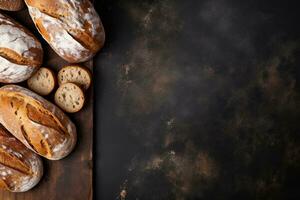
20 168
37 123
20 52
11 5
72 28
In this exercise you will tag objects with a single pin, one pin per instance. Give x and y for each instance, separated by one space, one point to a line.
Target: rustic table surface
72 177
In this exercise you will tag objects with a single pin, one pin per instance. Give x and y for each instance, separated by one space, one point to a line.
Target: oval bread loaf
11 5
72 28
21 54
37 123
20 168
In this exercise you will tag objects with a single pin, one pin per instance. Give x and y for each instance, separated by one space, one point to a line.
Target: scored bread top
20 168
37 123
20 52
73 28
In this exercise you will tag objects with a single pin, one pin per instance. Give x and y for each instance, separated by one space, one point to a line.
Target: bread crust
72 28
21 54
11 5
20 168
37 123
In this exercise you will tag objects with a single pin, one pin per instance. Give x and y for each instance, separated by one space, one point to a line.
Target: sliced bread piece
43 81
69 97
75 74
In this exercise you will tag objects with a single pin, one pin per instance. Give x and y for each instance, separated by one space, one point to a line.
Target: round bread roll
11 5
72 28
20 168
43 81
21 54
75 74
69 97
38 124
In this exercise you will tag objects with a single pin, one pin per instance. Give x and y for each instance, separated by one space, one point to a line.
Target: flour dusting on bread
20 52
61 41
37 123
72 27
20 168
14 73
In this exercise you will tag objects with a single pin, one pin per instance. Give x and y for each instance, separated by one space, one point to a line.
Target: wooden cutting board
72 177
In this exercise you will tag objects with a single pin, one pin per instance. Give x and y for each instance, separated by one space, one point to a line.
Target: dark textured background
198 99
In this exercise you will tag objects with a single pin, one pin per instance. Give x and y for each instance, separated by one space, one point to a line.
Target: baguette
21 54
20 168
72 28
37 123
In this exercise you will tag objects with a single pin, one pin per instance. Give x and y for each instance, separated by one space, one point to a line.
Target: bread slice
43 81
75 74
69 97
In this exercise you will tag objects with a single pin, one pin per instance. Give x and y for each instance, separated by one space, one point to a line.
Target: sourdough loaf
72 28
21 53
37 123
20 168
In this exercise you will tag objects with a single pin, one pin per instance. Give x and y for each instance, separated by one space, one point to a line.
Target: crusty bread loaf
43 81
11 5
72 28
21 54
69 97
37 123
75 74
20 168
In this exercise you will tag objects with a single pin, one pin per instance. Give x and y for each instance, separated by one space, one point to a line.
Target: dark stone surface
198 99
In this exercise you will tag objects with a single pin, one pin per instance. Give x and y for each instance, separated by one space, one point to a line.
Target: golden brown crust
11 5
37 123
76 21
20 168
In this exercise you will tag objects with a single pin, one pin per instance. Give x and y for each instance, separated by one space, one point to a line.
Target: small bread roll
69 97
43 81
11 5
20 168
75 74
